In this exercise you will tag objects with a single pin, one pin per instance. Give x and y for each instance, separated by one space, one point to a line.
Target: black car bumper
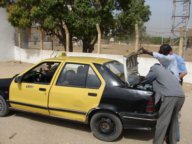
139 121
4 86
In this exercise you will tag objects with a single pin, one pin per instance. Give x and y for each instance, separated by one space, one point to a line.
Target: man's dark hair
165 49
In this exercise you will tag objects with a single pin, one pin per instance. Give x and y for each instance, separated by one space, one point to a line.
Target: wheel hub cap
106 126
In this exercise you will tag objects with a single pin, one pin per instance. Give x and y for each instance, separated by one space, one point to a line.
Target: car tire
4 108
106 126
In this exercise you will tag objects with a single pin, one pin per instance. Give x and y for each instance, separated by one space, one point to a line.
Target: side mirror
18 79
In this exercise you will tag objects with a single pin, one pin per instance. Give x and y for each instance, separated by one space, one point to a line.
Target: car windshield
116 68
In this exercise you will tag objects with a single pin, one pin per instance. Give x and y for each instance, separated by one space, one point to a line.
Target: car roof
80 59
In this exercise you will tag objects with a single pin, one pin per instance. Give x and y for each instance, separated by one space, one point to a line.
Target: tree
131 12
48 15
90 13
81 17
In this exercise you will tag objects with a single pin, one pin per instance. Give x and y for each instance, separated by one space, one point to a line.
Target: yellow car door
31 93
77 90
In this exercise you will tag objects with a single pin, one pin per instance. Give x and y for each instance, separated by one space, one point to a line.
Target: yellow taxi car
89 90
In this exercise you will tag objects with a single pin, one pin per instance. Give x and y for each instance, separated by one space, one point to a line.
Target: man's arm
150 77
181 66
182 74
156 55
144 51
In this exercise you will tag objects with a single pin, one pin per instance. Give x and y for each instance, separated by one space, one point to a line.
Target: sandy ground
24 128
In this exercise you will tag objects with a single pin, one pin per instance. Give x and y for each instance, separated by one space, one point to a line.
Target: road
25 128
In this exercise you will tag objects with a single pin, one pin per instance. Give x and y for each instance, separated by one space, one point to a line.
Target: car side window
92 79
108 76
78 75
42 73
73 75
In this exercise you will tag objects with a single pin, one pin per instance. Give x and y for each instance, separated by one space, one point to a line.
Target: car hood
5 83
131 69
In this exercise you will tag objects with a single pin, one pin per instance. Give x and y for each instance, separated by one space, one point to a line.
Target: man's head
49 65
165 49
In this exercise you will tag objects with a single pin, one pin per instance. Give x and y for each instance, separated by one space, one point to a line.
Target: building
6 37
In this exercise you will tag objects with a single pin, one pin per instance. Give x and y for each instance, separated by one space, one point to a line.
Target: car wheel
4 109
106 126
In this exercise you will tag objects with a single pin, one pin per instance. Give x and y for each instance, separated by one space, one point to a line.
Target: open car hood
131 69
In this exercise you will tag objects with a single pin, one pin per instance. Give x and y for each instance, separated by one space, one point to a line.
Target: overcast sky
161 18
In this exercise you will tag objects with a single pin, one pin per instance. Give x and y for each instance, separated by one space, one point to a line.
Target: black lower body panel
138 121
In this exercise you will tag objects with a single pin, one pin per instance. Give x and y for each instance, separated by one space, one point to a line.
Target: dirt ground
24 128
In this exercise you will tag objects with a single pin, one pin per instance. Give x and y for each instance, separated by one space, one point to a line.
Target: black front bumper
4 86
138 121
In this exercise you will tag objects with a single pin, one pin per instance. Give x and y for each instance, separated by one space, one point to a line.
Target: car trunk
133 79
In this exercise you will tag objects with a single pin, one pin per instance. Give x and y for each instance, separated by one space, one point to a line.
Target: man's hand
140 51
144 51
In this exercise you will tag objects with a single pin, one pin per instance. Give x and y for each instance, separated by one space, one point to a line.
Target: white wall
6 37
34 56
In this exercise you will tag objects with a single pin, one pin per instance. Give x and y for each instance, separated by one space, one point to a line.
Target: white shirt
169 62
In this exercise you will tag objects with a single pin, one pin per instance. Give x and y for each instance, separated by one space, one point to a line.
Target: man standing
170 61
169 91
165 57
166 49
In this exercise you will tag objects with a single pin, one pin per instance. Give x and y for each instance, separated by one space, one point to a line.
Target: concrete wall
6 37
34 56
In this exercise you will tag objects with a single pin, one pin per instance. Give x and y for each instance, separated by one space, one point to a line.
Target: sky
160 22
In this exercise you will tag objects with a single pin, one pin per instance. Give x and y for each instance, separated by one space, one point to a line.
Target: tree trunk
71 44
88 46
91 48
85 46
63 42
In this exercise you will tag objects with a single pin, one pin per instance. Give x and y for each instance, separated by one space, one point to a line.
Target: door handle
42 89
92 94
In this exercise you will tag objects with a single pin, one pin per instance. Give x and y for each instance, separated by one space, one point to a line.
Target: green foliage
131 12
19 17
114 17
3 3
